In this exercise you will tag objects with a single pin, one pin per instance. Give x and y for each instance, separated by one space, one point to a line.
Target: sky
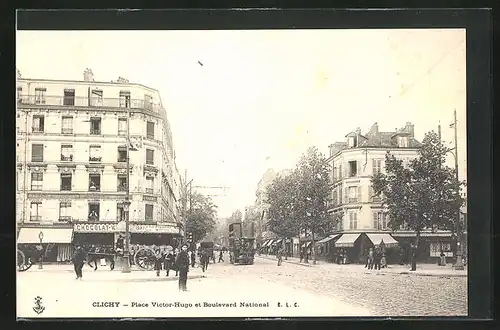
262 97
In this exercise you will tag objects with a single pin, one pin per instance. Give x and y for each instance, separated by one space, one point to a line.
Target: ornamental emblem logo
38 308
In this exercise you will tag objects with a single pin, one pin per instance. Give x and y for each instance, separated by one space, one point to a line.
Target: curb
385 273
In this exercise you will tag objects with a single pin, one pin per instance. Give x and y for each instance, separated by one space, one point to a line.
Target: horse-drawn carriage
30 254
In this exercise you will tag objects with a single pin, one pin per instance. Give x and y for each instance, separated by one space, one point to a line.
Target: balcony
89 102
65 218
95 159
95 131
149 191
67 158
66 131
122 187
36 218
352 200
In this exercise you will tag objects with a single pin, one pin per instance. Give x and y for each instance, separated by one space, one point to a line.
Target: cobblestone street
319 291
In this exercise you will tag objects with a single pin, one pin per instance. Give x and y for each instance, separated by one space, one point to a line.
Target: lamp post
40 236
458 264
126 250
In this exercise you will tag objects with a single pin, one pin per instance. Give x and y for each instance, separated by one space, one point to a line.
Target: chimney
358 131
374 129
410 128
88 75
122 80
439 132
336 147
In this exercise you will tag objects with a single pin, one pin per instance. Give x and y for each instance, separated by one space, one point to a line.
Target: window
150 130
353 168
65 211
353 194
149 212
373 197
35 211
403 142
94 182
351 141
150 155
94 210
122 126
353 220
67 125
95 126
36 181
19 94
95 153
67 152
124 99
380 220
122 182
38 124
96 98
334 198
149 185
340 195
69 97
37 153
120 212
65 182
40 95
148 102
122 154
340 172
376 166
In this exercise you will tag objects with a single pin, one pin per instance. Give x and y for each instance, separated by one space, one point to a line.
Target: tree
424 195
312 194
280 196
201 218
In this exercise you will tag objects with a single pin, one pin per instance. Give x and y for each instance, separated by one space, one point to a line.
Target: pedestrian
182 262
221 259
192 256
174 258
279 255
204 260
168 261
158 261
383 261
366 258
78 261
377 258
301 255
370 258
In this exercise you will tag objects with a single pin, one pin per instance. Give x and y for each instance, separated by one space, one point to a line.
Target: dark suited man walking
182 263
78 261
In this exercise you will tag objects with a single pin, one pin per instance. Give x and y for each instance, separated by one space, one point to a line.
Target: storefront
97 234
356 245
55 240
326 247
430 246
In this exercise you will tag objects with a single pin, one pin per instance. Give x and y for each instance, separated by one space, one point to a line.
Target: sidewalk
422 269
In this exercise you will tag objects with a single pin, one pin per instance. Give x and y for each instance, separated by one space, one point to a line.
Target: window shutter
346 195
360 199
358 168
340 172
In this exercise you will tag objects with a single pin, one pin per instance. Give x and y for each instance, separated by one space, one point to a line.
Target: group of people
376 258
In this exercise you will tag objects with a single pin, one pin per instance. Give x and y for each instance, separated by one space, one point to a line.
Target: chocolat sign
134 228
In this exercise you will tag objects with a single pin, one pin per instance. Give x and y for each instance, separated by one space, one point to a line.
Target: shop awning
306 244
50 235
270 242
327 239
347 240
377 238
265 243
278 241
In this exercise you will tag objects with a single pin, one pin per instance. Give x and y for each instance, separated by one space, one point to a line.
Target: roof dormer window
403 141
352 141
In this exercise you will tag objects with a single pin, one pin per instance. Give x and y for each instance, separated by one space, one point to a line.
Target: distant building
71 162
364 222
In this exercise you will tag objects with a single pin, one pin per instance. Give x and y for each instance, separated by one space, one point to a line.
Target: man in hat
182 263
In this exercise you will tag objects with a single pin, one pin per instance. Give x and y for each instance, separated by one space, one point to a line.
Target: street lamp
458 264
126 256
40 236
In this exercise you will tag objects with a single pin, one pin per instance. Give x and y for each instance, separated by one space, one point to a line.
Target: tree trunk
414 252
284 248
313 247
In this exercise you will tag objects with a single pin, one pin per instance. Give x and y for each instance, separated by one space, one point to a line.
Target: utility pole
458 264
126 206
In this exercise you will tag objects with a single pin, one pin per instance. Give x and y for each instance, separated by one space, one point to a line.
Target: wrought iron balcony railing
79 101
36 218
68 158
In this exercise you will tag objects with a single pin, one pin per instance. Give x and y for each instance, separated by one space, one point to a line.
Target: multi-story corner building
363 222
261 205
71 163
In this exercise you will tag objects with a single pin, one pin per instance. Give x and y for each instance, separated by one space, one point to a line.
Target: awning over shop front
278 241
328 239
49 235
347 240
306 244
265 243
378 238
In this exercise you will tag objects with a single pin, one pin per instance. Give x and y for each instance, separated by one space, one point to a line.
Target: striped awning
347 240
265 243
48 235
278 241
328 238
378 238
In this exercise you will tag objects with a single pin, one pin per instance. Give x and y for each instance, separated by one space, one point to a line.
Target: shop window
94 182
65 182
38 124
36 181
95 126
149 212
67 125
122 182
65 211
35 211
95 153
150 156
122 126
94 210
67 152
